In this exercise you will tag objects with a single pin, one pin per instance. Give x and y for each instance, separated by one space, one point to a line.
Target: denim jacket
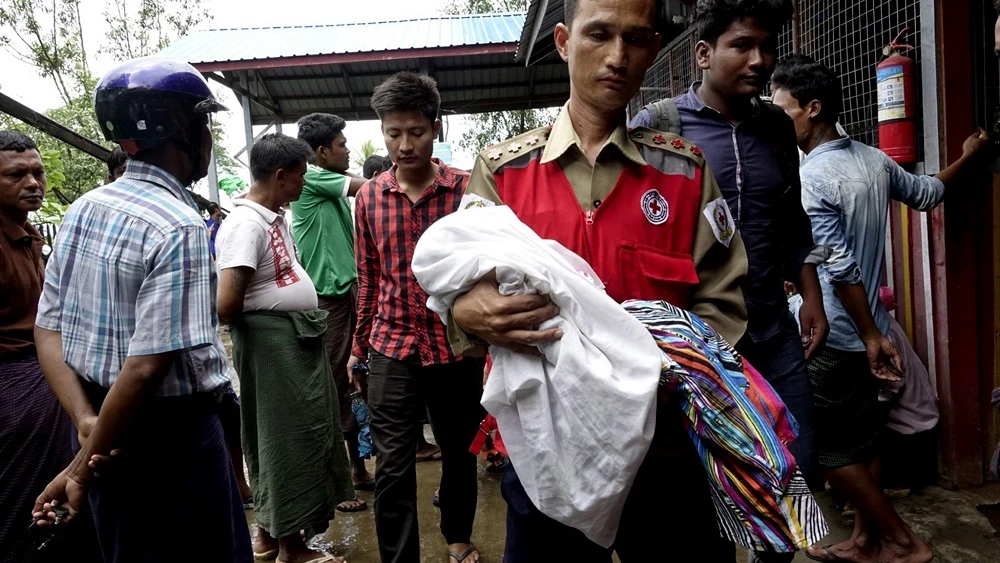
846 188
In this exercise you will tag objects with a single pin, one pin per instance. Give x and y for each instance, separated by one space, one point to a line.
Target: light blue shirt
130 274
846 188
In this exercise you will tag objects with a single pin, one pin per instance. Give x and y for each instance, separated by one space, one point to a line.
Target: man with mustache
643 209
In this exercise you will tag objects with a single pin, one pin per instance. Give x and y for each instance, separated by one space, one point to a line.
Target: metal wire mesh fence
846 35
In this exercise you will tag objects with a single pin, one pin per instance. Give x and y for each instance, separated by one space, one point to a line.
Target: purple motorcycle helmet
141 103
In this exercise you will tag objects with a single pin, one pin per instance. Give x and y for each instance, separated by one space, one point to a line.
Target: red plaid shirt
393 318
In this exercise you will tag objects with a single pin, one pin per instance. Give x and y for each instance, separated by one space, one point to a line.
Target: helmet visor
208 106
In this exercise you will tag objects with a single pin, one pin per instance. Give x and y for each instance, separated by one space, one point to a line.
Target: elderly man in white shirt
292 439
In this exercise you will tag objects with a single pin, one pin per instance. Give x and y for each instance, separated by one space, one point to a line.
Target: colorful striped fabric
740 429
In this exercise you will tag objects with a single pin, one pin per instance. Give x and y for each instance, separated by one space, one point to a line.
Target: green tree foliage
485 129
484 6
48 35
52 210
362 153
139 28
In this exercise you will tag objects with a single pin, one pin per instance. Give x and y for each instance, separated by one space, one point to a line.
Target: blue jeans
781 360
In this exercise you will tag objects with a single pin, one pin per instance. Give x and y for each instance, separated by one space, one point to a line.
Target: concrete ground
949 520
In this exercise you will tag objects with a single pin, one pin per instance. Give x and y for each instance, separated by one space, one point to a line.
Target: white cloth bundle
577 422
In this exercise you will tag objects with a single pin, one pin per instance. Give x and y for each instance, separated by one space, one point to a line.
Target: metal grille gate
846 35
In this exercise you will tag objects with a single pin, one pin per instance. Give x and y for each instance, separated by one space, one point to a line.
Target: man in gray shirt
846 188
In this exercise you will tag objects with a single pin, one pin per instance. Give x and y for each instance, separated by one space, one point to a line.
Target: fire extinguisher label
891 97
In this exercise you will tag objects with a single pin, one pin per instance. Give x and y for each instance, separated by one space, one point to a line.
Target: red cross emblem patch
655 207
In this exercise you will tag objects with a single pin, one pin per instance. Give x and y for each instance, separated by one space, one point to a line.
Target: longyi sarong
292 439
35 445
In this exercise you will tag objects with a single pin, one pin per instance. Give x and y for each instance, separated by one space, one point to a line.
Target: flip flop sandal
463 556
496 462
826 549
431 455
361 507
248 503
265 555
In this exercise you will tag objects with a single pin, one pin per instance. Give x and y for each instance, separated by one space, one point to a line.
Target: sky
22 82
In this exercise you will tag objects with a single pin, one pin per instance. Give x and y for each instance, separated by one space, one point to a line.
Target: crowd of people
116 388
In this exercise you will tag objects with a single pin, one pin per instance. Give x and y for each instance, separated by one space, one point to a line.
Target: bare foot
294 550
843 551
363 480
918 552
463 553
312 557
264 543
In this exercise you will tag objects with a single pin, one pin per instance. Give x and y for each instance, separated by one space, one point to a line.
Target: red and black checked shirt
393 318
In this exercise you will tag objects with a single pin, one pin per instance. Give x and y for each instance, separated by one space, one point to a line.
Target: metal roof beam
45 124
241 91
443 91
262 87
387 73
542 9
350 92
364 57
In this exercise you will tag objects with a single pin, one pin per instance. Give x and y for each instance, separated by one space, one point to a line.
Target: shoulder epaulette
517 147
668 142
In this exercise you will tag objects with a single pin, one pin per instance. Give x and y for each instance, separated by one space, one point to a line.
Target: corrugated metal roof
258 43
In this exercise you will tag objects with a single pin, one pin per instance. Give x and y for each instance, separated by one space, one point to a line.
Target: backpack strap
664 116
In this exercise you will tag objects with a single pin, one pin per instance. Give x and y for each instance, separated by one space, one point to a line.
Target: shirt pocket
652 274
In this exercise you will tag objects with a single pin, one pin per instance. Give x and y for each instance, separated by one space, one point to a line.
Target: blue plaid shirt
130 274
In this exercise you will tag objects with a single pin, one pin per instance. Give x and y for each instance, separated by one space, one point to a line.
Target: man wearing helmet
128 333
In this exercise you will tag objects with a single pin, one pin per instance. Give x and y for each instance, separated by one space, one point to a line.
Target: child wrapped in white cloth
577 422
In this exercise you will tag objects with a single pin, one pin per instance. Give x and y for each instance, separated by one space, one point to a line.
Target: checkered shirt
131 274
393 318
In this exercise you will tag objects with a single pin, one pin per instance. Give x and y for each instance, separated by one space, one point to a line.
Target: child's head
738 43
408 105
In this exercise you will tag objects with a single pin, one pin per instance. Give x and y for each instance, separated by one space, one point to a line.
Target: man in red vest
644 210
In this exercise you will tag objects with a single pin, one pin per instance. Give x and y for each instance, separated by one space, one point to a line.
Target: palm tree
367 149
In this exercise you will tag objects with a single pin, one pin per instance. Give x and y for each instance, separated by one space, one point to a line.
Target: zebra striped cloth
740 429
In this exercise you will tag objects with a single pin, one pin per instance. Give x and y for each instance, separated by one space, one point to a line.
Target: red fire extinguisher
897 103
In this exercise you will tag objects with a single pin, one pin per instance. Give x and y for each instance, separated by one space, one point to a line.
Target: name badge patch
721 221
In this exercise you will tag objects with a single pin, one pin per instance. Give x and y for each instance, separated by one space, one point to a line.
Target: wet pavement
957 524
353 535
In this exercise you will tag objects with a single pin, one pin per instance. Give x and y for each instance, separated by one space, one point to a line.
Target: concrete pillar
247 119
213 179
